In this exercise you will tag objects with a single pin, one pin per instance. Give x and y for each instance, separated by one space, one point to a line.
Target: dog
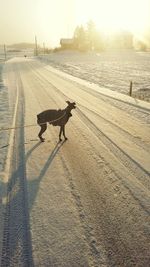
56 118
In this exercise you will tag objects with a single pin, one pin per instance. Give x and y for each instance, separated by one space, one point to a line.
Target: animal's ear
68 102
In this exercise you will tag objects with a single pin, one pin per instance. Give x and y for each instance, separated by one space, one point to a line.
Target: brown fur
56 118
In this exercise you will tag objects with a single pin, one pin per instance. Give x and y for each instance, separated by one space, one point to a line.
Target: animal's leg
61 128
43 129
64 133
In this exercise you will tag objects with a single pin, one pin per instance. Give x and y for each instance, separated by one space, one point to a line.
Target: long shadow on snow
17 237
17 246
34 184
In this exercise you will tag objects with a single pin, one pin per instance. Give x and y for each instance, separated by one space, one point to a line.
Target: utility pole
44 48
36 47
68 31
5 53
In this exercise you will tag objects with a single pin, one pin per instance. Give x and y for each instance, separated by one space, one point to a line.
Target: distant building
66 43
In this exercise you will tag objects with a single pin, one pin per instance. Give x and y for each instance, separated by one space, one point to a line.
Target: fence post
36 47
130 91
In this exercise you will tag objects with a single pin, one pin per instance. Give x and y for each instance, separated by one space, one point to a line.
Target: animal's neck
68 109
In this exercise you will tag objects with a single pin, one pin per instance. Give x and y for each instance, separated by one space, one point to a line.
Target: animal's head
71 105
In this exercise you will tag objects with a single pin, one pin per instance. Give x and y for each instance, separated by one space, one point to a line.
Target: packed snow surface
83 202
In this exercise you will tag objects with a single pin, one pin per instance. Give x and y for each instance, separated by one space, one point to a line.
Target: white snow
111 69
88 198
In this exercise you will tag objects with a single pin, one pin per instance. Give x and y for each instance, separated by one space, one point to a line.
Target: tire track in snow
96 254
130 164
137 189
138 112
136 140
130 186
118 128
17 249
97 129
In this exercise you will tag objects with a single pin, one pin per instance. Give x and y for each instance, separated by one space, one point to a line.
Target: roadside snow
102 90
4 119
113 70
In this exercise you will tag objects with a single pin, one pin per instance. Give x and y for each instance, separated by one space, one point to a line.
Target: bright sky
50 20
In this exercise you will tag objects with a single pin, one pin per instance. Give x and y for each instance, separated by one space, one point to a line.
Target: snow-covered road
84 202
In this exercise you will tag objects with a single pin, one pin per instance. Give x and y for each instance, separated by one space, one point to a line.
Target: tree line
88 38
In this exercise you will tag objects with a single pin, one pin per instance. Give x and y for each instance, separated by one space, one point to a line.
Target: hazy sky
50 20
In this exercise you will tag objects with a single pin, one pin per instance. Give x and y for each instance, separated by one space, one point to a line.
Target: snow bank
112 70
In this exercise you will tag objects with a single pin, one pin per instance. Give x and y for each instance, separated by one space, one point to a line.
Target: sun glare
114 15
54 21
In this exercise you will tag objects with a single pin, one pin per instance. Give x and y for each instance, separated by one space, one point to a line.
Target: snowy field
113 70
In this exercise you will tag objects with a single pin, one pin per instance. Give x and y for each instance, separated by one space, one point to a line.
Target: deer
55 117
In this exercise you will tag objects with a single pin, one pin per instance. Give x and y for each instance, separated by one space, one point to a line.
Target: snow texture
84 202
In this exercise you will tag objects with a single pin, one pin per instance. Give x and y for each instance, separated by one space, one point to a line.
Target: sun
114 15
